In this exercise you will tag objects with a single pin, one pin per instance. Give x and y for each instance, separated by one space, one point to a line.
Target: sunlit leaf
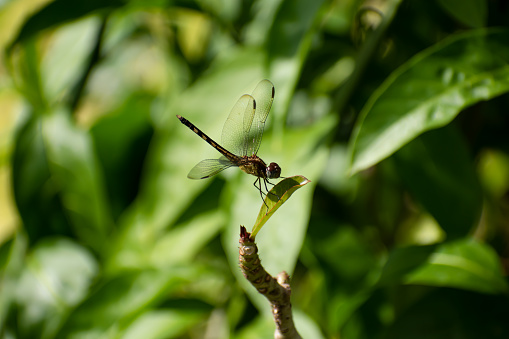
276 197
465 264
429 91
164 324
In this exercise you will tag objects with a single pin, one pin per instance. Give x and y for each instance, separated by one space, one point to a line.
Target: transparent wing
263 96
236 128
209 167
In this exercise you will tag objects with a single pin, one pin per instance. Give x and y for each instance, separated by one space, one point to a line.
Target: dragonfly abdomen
205 137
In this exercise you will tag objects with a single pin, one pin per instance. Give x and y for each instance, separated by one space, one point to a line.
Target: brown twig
276 290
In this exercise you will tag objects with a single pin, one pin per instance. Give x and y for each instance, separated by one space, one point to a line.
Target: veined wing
263 96
209 167
236 128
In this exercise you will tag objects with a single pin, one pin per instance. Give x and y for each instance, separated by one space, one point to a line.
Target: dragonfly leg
259 188
266 188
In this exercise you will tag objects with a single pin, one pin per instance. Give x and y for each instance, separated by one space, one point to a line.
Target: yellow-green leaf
277 197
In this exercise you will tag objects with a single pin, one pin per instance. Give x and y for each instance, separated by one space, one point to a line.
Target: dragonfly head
273 171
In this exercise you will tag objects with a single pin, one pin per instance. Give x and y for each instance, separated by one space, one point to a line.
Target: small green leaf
277 197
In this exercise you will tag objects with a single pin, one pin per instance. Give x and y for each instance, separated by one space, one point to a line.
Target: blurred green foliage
395 110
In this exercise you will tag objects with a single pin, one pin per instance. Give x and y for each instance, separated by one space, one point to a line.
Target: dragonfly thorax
273 171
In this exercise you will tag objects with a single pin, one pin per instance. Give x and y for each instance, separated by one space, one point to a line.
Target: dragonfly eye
273 171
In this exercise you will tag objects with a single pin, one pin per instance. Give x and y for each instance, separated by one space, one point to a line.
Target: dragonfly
240 139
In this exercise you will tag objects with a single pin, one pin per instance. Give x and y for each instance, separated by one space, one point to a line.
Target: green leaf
288 44
438 171
164 324
12 264
65 61
178 245
118 301
35 198
402 261
56 277
465 264
276 197
121 140
429 91
77 179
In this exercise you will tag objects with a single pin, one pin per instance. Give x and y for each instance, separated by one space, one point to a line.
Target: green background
395 110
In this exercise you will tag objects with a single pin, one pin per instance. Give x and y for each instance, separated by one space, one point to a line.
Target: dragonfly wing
236 128
209 167
263 96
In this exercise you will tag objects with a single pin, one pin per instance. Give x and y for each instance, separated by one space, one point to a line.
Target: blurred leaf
402 261
429 91
347 243
288 43
275 198
57 276
65 60
341 307
36 197
258 328
59 12
163 324
12 265
263 327
464 264
438 171
472 13
306 326
76 177
494 172
117 303
292 22
26 74
121 140
179 245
